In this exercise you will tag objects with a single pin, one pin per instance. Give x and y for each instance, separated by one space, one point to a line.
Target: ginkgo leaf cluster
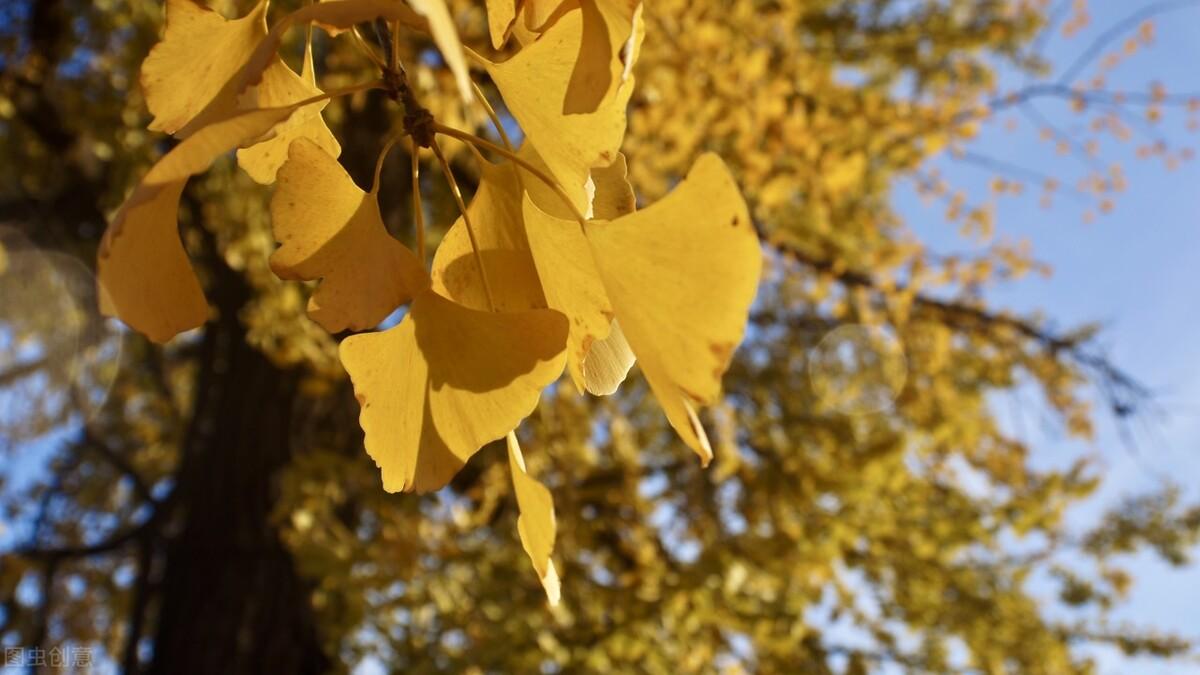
550 267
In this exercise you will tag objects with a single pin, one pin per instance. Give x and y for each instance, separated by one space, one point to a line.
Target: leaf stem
474 56
468 137
418 210
395 55
499 130
338 93
462 208
367 49
491 112
387 147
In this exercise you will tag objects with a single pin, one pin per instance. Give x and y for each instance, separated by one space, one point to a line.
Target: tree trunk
231 599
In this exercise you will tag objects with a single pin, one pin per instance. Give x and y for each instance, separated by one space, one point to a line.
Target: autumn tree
387 265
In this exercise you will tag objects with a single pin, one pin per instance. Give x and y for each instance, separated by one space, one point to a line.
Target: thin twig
1113 32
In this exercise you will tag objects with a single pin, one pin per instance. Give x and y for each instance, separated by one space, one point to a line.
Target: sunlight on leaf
571 282
534 85
606 53
262 160
144 274
447 380
535 524
331 230
501 14
500 233
681 274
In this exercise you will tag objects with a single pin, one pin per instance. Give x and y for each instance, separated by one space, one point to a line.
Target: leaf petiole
462 208
367 49
344 91
418 210
387 147
468 137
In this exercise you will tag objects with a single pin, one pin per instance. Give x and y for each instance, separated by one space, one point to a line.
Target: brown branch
121 464
107 546
1124 394
22 370
137 611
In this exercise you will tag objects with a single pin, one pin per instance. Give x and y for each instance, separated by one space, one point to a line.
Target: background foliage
861 474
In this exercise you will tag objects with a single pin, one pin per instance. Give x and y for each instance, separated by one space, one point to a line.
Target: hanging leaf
447 380
445 35
681 275
500 234
501 14
262 160
570 281
331 230
534 86
176 90
609 359
183 97
144 275
606 53
535 524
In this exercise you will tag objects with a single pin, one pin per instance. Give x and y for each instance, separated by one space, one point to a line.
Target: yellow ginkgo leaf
570 281
534 85
445 35
446 381
340 16
681 275
262 160
601 365
495 213
190 77
539 13
200 52
612 196
535 524
329 229
501 14
606 53
608 360
500 232
144 275
544 196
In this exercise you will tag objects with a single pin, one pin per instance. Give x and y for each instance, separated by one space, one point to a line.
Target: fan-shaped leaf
681 275
144 274
447 380
330 229
500 234
534 86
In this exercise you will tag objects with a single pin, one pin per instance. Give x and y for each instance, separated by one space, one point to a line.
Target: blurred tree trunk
231 599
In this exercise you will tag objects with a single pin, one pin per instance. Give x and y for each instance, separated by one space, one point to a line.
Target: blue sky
1134 270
